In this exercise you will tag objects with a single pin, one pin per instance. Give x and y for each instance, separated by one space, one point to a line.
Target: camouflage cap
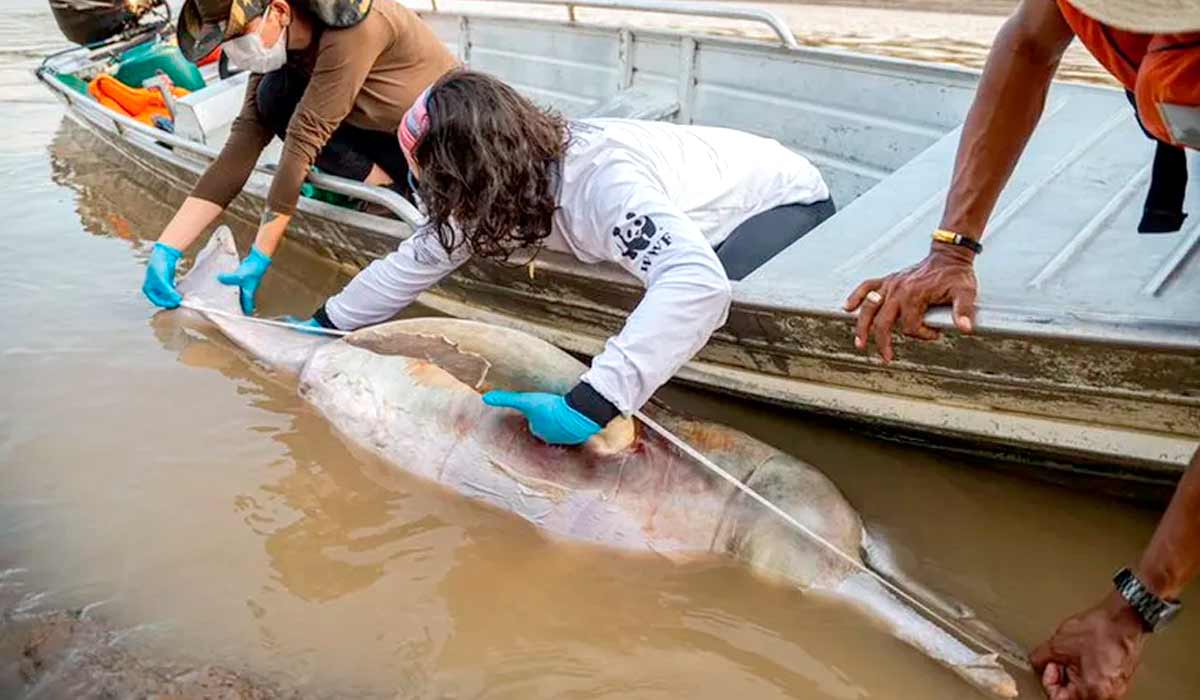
204 24
339 13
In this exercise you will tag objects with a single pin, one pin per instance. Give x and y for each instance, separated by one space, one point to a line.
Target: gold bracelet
943 236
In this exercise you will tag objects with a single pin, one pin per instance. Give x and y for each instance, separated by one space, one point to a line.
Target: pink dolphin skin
409 391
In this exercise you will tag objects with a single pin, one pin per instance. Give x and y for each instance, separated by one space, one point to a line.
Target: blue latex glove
247 277
310 323
550 417
159 286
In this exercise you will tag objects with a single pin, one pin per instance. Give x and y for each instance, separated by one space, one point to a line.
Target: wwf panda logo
635 235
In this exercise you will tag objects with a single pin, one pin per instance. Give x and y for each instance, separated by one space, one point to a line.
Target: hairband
415 125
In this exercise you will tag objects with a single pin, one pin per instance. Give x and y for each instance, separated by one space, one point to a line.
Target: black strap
1163 210
589 402
323 318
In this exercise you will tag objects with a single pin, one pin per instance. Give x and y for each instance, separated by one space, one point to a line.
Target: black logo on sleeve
637 236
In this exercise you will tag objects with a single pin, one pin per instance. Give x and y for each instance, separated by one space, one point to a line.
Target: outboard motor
90 21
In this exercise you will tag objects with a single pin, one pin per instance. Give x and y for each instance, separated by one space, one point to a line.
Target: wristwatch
1154 611
943 236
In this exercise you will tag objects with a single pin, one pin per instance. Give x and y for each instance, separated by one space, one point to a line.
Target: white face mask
247 51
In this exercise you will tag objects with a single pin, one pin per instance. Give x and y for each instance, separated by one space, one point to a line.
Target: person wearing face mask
332 79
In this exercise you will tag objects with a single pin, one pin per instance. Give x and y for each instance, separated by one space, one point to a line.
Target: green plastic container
73 82
143 62
311 191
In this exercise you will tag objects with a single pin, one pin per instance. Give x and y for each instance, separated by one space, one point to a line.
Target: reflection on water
215 517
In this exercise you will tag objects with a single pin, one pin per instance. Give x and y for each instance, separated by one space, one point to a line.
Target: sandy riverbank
911 29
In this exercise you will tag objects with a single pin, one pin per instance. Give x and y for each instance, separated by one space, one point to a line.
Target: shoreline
907 29
986 8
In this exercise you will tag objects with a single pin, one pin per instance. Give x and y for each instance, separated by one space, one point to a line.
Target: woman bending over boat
332 78
676 206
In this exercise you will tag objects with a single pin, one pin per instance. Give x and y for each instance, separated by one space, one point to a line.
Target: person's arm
391 283
623 217
1094 655
226 176
344 61
193 216
216 188
687 291
1007 106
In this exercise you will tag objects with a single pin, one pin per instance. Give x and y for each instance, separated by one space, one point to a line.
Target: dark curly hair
485 164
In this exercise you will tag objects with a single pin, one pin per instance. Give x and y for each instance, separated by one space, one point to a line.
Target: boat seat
764 235
635 103
206 115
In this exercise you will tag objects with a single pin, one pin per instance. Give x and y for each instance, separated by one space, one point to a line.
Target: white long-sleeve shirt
654 198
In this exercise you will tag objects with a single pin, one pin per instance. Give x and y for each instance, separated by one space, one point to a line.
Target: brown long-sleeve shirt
367 75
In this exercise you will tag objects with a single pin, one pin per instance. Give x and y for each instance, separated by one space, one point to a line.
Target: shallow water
218 519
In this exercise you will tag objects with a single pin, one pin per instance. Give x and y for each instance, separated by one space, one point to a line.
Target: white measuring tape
711 466
314 330
799 526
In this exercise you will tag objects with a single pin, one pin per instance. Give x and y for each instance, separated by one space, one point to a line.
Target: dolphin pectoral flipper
880 558
983 671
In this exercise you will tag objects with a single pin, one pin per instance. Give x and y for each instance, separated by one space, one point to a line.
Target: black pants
350 151
765 235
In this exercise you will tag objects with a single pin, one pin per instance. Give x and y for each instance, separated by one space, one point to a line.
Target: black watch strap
1155 612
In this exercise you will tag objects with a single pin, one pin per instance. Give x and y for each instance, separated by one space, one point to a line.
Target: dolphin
409 392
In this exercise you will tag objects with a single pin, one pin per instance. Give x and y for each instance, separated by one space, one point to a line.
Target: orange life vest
1161 71
142 104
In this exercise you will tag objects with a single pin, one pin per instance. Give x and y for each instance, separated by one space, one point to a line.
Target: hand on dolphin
159 286
247 277
551 418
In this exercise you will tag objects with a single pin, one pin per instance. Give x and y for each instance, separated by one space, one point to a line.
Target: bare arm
193 217
1094 654
1007 106
1172 560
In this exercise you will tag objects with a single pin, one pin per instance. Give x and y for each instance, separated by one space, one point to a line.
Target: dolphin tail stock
984 671
879 558
751 534
279 348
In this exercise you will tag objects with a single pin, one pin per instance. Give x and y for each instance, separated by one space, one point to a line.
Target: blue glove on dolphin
159 286
247 277
550 417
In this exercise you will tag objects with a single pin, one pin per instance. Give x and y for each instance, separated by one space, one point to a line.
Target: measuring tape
313 330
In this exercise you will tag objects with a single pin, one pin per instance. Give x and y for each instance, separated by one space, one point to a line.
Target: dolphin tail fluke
983 671
880 558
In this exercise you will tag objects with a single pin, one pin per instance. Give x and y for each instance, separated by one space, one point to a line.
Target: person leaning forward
332 79
1153 48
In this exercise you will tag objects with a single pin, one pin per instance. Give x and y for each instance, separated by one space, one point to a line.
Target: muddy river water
208 516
